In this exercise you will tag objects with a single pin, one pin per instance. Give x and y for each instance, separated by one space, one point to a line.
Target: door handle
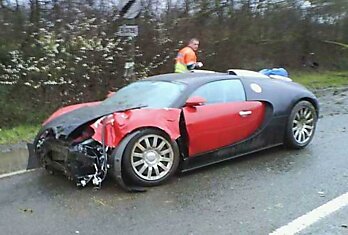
245 113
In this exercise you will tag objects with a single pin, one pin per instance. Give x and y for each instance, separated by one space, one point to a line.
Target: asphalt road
255 194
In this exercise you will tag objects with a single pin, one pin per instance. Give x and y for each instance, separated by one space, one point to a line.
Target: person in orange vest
186 59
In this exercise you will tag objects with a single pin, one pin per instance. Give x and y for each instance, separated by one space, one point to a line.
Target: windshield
152 94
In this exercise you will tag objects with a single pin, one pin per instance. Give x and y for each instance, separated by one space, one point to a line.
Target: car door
226 117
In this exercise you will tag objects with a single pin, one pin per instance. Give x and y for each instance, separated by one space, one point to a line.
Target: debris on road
27 210
97 201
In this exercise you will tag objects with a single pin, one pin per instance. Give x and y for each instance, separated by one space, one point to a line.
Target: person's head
194 43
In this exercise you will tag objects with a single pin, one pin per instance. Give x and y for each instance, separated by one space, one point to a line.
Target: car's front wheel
301 125
150 158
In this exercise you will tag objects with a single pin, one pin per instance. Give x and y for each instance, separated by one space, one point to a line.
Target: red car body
198 119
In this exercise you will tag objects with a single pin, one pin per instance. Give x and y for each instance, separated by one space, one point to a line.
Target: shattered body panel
67 144
70 121
119 124
69 109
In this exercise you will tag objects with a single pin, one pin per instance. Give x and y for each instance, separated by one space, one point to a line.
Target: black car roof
191 78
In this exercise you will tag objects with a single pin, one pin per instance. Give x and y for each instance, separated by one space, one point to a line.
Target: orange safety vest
185 57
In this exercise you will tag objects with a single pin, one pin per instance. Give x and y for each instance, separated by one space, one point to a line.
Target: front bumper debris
80 163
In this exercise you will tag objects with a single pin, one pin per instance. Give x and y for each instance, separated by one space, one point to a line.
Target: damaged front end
85 150
66 143
78 156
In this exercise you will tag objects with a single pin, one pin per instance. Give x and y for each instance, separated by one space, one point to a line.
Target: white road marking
313 216
16 173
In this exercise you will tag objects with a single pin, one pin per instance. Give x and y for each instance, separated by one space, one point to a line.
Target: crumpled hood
67 123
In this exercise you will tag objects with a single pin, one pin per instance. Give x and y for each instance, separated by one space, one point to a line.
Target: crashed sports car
150 129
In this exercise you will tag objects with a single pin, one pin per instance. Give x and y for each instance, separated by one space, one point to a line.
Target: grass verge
18 134
321 79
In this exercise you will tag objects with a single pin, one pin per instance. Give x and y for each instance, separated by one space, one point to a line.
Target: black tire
161 155
301 125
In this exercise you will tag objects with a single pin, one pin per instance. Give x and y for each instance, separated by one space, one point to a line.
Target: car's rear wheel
301 125
150 158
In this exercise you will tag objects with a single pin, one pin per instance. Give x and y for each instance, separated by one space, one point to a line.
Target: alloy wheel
303 125
152 157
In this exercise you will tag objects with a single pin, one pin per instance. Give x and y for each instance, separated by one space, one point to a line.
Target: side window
221 91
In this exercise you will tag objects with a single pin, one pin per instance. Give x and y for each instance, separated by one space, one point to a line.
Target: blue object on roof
275 71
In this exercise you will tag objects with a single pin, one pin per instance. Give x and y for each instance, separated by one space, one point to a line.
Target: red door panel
216 125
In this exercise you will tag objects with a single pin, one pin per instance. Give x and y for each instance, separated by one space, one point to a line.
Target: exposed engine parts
82 162
97 153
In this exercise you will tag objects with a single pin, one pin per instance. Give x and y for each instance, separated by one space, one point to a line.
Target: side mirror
195 101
